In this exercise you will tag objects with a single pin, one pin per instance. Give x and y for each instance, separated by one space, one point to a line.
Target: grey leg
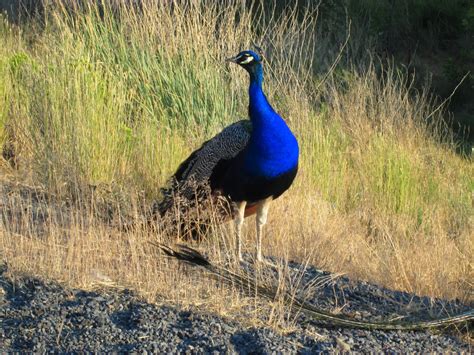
239 220
262 212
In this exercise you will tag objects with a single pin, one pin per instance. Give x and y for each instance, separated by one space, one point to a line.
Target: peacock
248 164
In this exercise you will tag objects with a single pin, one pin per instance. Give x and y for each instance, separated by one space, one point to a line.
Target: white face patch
247 60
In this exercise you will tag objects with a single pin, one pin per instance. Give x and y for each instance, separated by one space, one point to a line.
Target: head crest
259 50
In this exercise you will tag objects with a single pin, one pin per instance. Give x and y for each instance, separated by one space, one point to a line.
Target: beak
232 59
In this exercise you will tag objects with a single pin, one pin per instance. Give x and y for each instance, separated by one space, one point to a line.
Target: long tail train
193 257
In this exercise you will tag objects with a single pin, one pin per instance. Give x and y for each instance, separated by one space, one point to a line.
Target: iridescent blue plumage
248 163
267 165
272 149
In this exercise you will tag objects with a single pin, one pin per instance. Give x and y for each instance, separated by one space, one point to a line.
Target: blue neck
256 74
259 108
272 148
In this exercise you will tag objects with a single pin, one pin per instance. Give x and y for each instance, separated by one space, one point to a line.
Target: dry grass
98 112
71 243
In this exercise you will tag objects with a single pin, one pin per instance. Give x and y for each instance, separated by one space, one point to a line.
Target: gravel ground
43 316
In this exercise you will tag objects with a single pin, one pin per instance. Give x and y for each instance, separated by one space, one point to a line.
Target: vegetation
98 105
432 39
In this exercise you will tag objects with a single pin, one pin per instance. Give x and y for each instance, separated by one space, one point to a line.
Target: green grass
120 100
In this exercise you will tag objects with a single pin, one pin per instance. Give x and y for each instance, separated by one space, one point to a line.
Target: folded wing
199 176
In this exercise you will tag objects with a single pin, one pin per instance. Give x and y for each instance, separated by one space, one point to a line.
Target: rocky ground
43 316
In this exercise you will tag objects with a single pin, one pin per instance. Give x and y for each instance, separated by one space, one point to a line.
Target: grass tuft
98 105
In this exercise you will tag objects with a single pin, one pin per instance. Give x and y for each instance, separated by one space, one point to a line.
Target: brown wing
198 175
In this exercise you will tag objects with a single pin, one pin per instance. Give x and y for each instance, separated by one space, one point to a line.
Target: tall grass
106 101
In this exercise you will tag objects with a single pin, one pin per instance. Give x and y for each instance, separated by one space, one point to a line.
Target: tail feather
192 218
193 257
185 254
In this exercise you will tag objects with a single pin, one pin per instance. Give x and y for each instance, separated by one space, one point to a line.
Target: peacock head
249 60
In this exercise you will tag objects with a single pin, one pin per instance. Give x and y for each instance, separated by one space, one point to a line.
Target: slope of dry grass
98 109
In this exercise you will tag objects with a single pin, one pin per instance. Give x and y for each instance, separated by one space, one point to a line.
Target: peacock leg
239 221
262 212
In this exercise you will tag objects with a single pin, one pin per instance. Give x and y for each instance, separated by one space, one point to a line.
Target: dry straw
99 105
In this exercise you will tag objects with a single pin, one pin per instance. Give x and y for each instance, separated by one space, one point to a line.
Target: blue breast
272 149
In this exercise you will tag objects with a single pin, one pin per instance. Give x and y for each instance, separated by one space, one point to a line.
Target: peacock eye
246 58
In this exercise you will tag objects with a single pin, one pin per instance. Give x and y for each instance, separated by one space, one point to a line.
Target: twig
449 97
337 60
